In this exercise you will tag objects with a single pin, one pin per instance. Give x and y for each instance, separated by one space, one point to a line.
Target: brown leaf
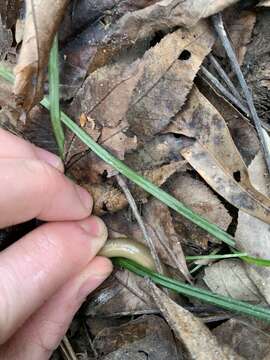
215 156
238 334
253 235
196 337
174 13
159 223
148 335
229 278
197 196
41 24
242 132
136 91
120 295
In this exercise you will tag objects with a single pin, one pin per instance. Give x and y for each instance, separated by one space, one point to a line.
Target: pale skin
46 275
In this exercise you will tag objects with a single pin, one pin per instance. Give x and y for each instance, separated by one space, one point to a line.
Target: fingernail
50 158
85 198
95 227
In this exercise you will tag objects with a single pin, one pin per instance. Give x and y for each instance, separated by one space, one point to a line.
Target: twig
95 353
219 27
217 84
67 349
225 77
132 203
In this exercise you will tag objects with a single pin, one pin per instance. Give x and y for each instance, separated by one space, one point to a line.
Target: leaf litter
128 78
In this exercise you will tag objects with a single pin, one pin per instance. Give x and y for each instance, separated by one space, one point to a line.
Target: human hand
46 275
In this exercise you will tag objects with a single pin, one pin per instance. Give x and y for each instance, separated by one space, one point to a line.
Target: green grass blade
197 293
54 98
152 189
216 257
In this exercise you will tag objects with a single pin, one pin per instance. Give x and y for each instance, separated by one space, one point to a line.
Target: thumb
43 331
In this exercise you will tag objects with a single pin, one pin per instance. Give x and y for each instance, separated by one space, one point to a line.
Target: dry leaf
41 23
135 91
253 235
215 156
256 65
229 278
240 27
248 338
195 336
147 336
197 196
120 295
159 223
164 15
241 130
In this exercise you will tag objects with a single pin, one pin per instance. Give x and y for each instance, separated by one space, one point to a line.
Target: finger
43 331
36 266
14 147
31 188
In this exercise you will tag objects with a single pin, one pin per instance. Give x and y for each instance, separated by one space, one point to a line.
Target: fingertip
49 158
85 199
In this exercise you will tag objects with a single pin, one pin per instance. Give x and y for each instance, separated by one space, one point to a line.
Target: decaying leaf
195 336
158 220
215 156
164 15
242 132
147 336
136 91
41 23
253 235
248 337
120 295
229 278
197 196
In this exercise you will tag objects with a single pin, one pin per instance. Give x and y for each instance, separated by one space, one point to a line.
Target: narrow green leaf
216 257
54 97
197 293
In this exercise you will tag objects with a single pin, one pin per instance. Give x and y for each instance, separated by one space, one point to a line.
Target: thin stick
95 353
67 349
217 84
219 27
132 203
225 77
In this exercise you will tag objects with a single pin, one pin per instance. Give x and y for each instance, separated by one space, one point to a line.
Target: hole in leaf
185 55
156 38
237 176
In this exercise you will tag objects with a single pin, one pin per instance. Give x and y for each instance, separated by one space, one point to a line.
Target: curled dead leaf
41 23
